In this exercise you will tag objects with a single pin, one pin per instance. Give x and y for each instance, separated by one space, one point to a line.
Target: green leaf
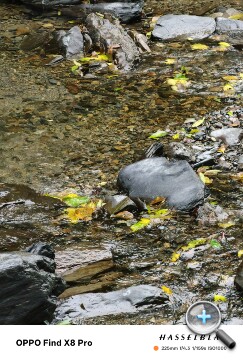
74 68
215 244
140 224
64 322
118 89
75 201
158 134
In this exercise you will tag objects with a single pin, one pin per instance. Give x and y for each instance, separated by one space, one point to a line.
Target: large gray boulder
111 36
72 43
176 181
229 26
181 27
128 300
29 288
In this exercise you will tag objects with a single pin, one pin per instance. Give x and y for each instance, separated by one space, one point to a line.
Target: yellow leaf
59 13
212 172
238 176
167 290
221 149
140 224
194 243
241 75
170 61
198 123
219 298
172 81
83 213
226 225
175 257
240 253
238 16
224 45
176 136
199 47
205 179
228 87
230 78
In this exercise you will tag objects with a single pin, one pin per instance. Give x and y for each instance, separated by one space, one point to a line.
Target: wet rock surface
72 43
157 177
128 300
29 288
229 136
182 27
239 277
72 132
112 35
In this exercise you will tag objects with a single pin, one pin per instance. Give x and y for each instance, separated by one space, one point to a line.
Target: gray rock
42 249
126 11
153 177
111 35
117 203
72 43
180 27
240 162
128 300
239 277
231 11
29 288
209 214
229 26
176 150
230 136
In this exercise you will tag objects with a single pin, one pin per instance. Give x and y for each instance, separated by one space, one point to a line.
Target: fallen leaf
83 213
228 87
223 44
198 123
158 134
238 176
194 243
175 257
170 61
240 253
221 149
73 200
140 224
238 16
158 200
215 244
212 172
176 136
219 298
230 78
167 290
199 47
205 179
226 225
125 215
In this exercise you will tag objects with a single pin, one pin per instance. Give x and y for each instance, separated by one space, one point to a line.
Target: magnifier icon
203 317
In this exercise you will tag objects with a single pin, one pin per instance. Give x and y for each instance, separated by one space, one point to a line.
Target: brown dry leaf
125 215
82 213
158 200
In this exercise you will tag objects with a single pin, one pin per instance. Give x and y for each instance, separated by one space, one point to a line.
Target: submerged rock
29 288
158 177
112 37
72 43
229 136
128 300
181 27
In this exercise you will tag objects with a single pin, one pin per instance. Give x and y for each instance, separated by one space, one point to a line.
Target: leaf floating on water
205 179
194 243
215 244
198 123
140 224
175 257
84 213
219 298
167 290
226 225
158 134
75 201
199 47
240 253
170 61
